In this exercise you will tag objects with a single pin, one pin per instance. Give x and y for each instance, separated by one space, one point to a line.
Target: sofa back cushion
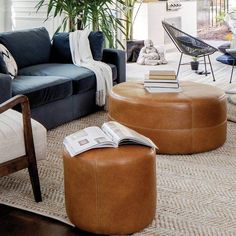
28 47
61 47
96 41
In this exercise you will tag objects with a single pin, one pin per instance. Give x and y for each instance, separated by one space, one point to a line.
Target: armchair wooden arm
29 159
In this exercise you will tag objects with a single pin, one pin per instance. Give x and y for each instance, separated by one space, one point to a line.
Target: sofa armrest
117 58
5 87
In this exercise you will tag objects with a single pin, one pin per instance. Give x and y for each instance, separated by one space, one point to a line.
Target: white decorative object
173 5
82 56
149 55
233 42
230 19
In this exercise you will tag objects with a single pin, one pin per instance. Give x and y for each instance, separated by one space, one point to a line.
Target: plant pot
194 65
133 48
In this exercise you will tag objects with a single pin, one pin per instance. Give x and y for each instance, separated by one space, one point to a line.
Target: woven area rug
196 193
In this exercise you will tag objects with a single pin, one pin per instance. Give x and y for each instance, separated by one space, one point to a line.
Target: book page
88 138
114 131
162 72
123 135
164 90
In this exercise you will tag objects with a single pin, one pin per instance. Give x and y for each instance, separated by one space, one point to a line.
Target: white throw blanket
82 56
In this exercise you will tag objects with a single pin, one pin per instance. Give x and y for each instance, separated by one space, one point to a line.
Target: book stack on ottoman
110 190
161 81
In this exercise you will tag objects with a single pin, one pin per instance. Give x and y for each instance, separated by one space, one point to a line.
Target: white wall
2 15
21 14
140 27
148 22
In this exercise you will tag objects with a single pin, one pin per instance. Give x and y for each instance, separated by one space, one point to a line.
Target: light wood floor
222 72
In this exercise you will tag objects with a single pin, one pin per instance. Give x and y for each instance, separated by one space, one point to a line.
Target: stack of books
162 81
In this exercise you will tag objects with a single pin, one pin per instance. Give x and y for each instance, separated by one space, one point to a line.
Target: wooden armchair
14 134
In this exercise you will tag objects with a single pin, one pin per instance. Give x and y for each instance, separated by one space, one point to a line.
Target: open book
111 134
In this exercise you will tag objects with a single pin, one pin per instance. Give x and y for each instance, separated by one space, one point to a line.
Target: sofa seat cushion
42 89
83 79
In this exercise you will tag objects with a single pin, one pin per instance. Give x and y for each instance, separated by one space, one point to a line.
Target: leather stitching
96 192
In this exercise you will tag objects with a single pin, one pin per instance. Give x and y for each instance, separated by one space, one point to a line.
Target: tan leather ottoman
111 190
191 121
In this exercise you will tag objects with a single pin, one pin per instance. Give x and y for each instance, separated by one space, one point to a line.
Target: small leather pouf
111 190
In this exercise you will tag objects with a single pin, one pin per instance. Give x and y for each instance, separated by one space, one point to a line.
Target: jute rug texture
196 193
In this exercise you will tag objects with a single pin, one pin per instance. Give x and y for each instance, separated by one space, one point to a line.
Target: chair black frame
233 55
232 71
195 48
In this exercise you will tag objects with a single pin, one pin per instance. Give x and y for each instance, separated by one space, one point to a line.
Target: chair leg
232 71
34 178
179 64
211 68
205 65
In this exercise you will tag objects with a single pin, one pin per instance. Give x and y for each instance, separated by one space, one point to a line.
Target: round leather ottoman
111 190
191 121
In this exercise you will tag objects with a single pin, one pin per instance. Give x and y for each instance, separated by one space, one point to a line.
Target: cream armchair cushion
12 137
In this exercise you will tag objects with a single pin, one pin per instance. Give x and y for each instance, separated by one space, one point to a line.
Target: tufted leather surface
191 121
111 190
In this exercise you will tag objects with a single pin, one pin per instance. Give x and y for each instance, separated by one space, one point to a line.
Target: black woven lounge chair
190 46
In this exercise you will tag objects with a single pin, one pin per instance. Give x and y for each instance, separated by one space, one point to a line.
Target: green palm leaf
99 14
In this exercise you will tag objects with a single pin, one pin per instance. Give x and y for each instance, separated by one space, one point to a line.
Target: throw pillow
96 40
190 42
226 59
61 47
7 62
185 40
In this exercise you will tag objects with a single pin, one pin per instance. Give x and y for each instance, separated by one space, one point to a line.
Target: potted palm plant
70 10
194 63
98 14
130 16
129 12
133 47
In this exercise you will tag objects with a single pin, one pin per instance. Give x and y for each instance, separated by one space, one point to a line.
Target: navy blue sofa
58 91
